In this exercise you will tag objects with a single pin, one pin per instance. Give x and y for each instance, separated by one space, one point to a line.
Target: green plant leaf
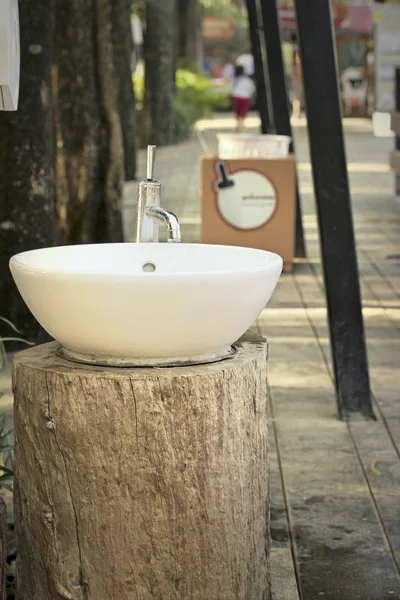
10 324
16 339
5 448
6 471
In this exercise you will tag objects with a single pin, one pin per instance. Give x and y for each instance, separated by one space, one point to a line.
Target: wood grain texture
142 483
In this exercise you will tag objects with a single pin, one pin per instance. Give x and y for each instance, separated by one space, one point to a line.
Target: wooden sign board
217 28
251 203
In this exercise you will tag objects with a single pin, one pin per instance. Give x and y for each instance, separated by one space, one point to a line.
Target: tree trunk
160 44
123 48
77 123
148 484
91 76
27 183
112 165
190 38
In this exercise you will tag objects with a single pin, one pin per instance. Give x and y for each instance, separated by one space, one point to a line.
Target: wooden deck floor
335 487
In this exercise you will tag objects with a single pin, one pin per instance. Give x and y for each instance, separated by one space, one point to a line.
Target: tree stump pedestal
142 484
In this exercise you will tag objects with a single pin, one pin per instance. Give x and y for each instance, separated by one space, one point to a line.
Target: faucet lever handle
151 158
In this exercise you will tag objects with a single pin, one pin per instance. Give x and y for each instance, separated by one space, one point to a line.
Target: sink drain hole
149 267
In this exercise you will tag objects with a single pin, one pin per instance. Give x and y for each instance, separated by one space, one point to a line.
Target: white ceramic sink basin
146 304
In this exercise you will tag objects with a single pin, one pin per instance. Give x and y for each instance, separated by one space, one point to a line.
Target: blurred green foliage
197 96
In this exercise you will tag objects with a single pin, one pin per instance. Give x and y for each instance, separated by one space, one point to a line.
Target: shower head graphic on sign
246 199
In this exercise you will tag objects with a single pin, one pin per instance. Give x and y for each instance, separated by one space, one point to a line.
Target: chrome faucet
149 211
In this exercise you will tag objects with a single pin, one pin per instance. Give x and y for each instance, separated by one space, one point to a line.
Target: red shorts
241 107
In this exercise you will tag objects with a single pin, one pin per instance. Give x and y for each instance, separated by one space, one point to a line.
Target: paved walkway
335 487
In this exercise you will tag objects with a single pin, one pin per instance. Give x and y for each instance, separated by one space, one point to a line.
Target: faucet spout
149 211
167 217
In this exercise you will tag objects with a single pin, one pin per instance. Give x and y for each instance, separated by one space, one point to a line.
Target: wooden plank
341 547
283 585
381 284
283 296
387 396
390 270
375 442
377 291
280 538
382 469
339 541
283 575
383 339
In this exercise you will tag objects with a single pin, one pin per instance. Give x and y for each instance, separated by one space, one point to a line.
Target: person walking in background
243 89
246 61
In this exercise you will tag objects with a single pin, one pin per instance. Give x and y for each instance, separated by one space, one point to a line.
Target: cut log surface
139 484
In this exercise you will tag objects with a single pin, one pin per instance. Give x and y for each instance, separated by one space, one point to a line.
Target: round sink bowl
146 304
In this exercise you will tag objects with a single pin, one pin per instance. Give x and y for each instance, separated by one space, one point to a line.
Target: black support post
317 51
259 66
280 100
397 143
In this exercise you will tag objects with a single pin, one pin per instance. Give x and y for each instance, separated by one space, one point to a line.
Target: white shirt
247 62
243 87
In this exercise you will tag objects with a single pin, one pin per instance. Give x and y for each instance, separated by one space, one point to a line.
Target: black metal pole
324 115
397 146
280 100
259 67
